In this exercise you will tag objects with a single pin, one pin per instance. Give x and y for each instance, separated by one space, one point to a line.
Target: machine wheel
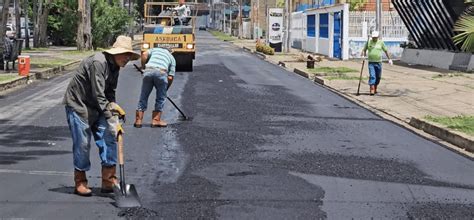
184 63
188 67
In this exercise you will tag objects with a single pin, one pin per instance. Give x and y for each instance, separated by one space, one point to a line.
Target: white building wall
325 46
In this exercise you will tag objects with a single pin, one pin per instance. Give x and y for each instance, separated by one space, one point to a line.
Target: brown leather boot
138 119
108 179
157 122
372 89
375 89
81 184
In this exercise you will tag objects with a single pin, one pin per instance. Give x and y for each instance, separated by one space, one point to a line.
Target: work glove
390 62
116 110
114 126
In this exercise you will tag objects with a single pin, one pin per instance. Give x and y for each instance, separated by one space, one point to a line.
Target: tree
3 24
40 38
27 28
17 18
108 22
84 32
465 28
62 22
355 5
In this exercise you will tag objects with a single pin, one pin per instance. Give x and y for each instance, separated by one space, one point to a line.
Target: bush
62 23
265 49
108 22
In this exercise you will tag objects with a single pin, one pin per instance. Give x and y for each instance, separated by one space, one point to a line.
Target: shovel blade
128 198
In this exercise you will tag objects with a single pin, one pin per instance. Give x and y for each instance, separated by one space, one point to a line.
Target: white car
11 33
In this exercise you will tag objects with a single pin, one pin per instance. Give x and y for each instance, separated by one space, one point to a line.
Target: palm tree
465 27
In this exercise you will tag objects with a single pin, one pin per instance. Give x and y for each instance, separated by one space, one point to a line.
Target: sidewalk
46 63
407 93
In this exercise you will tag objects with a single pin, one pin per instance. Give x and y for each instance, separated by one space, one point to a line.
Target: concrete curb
455 138
51 72
14 83
261 55
247 49
458 139
44 74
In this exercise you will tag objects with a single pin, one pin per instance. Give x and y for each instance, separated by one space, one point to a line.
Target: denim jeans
375 72
159 80
81 141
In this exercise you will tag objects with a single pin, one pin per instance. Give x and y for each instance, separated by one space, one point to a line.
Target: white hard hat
375 34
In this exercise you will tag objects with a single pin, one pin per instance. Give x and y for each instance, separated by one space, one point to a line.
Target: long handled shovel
126 195
169 99
360 78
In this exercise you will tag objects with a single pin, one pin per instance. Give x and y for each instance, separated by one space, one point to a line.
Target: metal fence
392 24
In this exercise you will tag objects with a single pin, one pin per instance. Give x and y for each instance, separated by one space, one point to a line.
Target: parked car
11 33
202 28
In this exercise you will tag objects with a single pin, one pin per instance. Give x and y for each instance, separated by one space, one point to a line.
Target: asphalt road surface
263 143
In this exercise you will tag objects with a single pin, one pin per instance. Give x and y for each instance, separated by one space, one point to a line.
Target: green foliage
108 22
265 49
465 28
62 22
325 69
8 77
355 5
280 3
460 123
222 36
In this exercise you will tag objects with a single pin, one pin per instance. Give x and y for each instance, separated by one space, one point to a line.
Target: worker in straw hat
91 111
375 46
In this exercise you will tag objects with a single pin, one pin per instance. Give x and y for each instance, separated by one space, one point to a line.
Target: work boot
375 89
108 179
372 90
156 120
81 184
138 119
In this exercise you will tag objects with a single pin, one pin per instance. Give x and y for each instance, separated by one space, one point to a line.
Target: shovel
126 195
360 78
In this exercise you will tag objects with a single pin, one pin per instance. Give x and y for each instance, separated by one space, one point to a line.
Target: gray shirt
93 87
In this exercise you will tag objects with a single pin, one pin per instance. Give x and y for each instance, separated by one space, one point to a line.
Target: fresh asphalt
263 143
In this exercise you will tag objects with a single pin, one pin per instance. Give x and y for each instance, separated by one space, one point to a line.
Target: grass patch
463 124
8 77
324 69
79 53
47 62
334 73
35 49
345 77
222 36
448 75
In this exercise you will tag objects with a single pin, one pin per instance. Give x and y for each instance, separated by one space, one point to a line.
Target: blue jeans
159 80
81 141
375 72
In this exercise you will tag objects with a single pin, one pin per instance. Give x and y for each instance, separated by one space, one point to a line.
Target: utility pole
288 25
258 19
240 19
223 13
290 8
231 12
378 19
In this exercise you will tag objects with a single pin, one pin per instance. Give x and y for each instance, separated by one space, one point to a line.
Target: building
336 31
259 15
430 24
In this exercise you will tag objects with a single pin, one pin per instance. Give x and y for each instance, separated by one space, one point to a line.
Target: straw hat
123 44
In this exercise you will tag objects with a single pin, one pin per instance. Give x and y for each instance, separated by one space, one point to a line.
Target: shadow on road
7 158
95 191
32 136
